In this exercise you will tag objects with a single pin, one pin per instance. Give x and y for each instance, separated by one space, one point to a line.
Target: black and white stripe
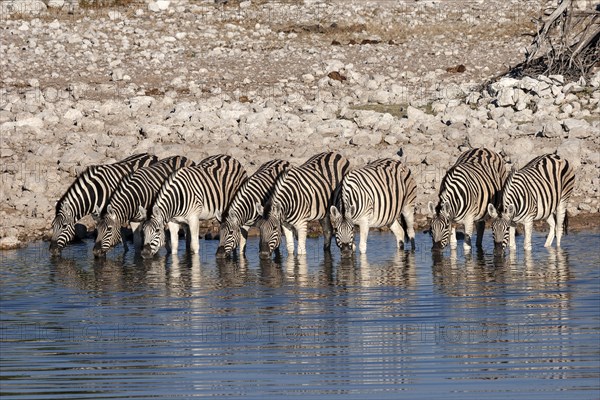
540 190
378 194
242 212
468 187
88 195
189 194
130 201
302 194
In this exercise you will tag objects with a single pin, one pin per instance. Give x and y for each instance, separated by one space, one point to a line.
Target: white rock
114 15
163 4
54 24
577 128
73 115
245 4
506 97
56 3
571 150
9 242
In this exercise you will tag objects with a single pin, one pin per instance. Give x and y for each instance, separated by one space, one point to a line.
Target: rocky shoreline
372 79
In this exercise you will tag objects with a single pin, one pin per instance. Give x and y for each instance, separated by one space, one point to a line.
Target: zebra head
63 229
109 233
270 230
343 226
229 236
440 224
154 234
501 224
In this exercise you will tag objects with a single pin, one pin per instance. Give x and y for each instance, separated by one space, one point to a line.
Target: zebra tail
566 224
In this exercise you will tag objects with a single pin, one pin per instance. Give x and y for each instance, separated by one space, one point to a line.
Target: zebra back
206 188
539 187
258 188
140 188
307 191
383 188
92 188
475 180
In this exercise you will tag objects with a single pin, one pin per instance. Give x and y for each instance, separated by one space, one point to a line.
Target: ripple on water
452 324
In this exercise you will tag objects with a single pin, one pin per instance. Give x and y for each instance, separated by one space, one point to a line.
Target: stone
10 243
73 115
506 97
577 128
570 150
480 137
114 15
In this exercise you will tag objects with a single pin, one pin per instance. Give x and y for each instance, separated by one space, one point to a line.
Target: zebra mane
89 171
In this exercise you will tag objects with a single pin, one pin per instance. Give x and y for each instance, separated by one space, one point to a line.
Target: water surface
386 325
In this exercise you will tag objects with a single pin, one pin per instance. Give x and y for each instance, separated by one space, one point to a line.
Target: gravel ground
85 84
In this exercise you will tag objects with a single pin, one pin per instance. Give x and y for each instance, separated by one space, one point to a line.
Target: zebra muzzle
346 250
98 251
222 253
147 252
55 249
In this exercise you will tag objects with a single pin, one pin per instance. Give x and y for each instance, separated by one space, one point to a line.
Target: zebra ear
335 214
66 209
96 211
350 211
109 209
492 211
155 210
445 210
431 208
260 210
510 211
276 210
218 215
142 212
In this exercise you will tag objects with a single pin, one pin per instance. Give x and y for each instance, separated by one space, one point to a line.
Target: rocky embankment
376 79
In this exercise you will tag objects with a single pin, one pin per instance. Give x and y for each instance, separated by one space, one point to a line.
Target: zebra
242 213
88 195
377 195
189 194
302 194
540 190
130 201
469 185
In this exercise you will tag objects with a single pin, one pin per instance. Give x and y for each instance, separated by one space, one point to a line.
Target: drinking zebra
540 190
129 203
474 181
242 213
302 194
376 195
189 194
88 195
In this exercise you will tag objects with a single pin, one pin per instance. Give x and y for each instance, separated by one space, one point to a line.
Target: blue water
388 325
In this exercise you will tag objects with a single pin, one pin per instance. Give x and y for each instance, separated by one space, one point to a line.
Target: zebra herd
151 195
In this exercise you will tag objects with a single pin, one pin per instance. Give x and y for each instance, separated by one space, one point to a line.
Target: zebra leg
512 242
552 224
173 236
137 235
561 212
453 237
480 225
468 233
194 226
363 226
242 245
301 229
396 228
289 240
409 218
327 232
528 228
